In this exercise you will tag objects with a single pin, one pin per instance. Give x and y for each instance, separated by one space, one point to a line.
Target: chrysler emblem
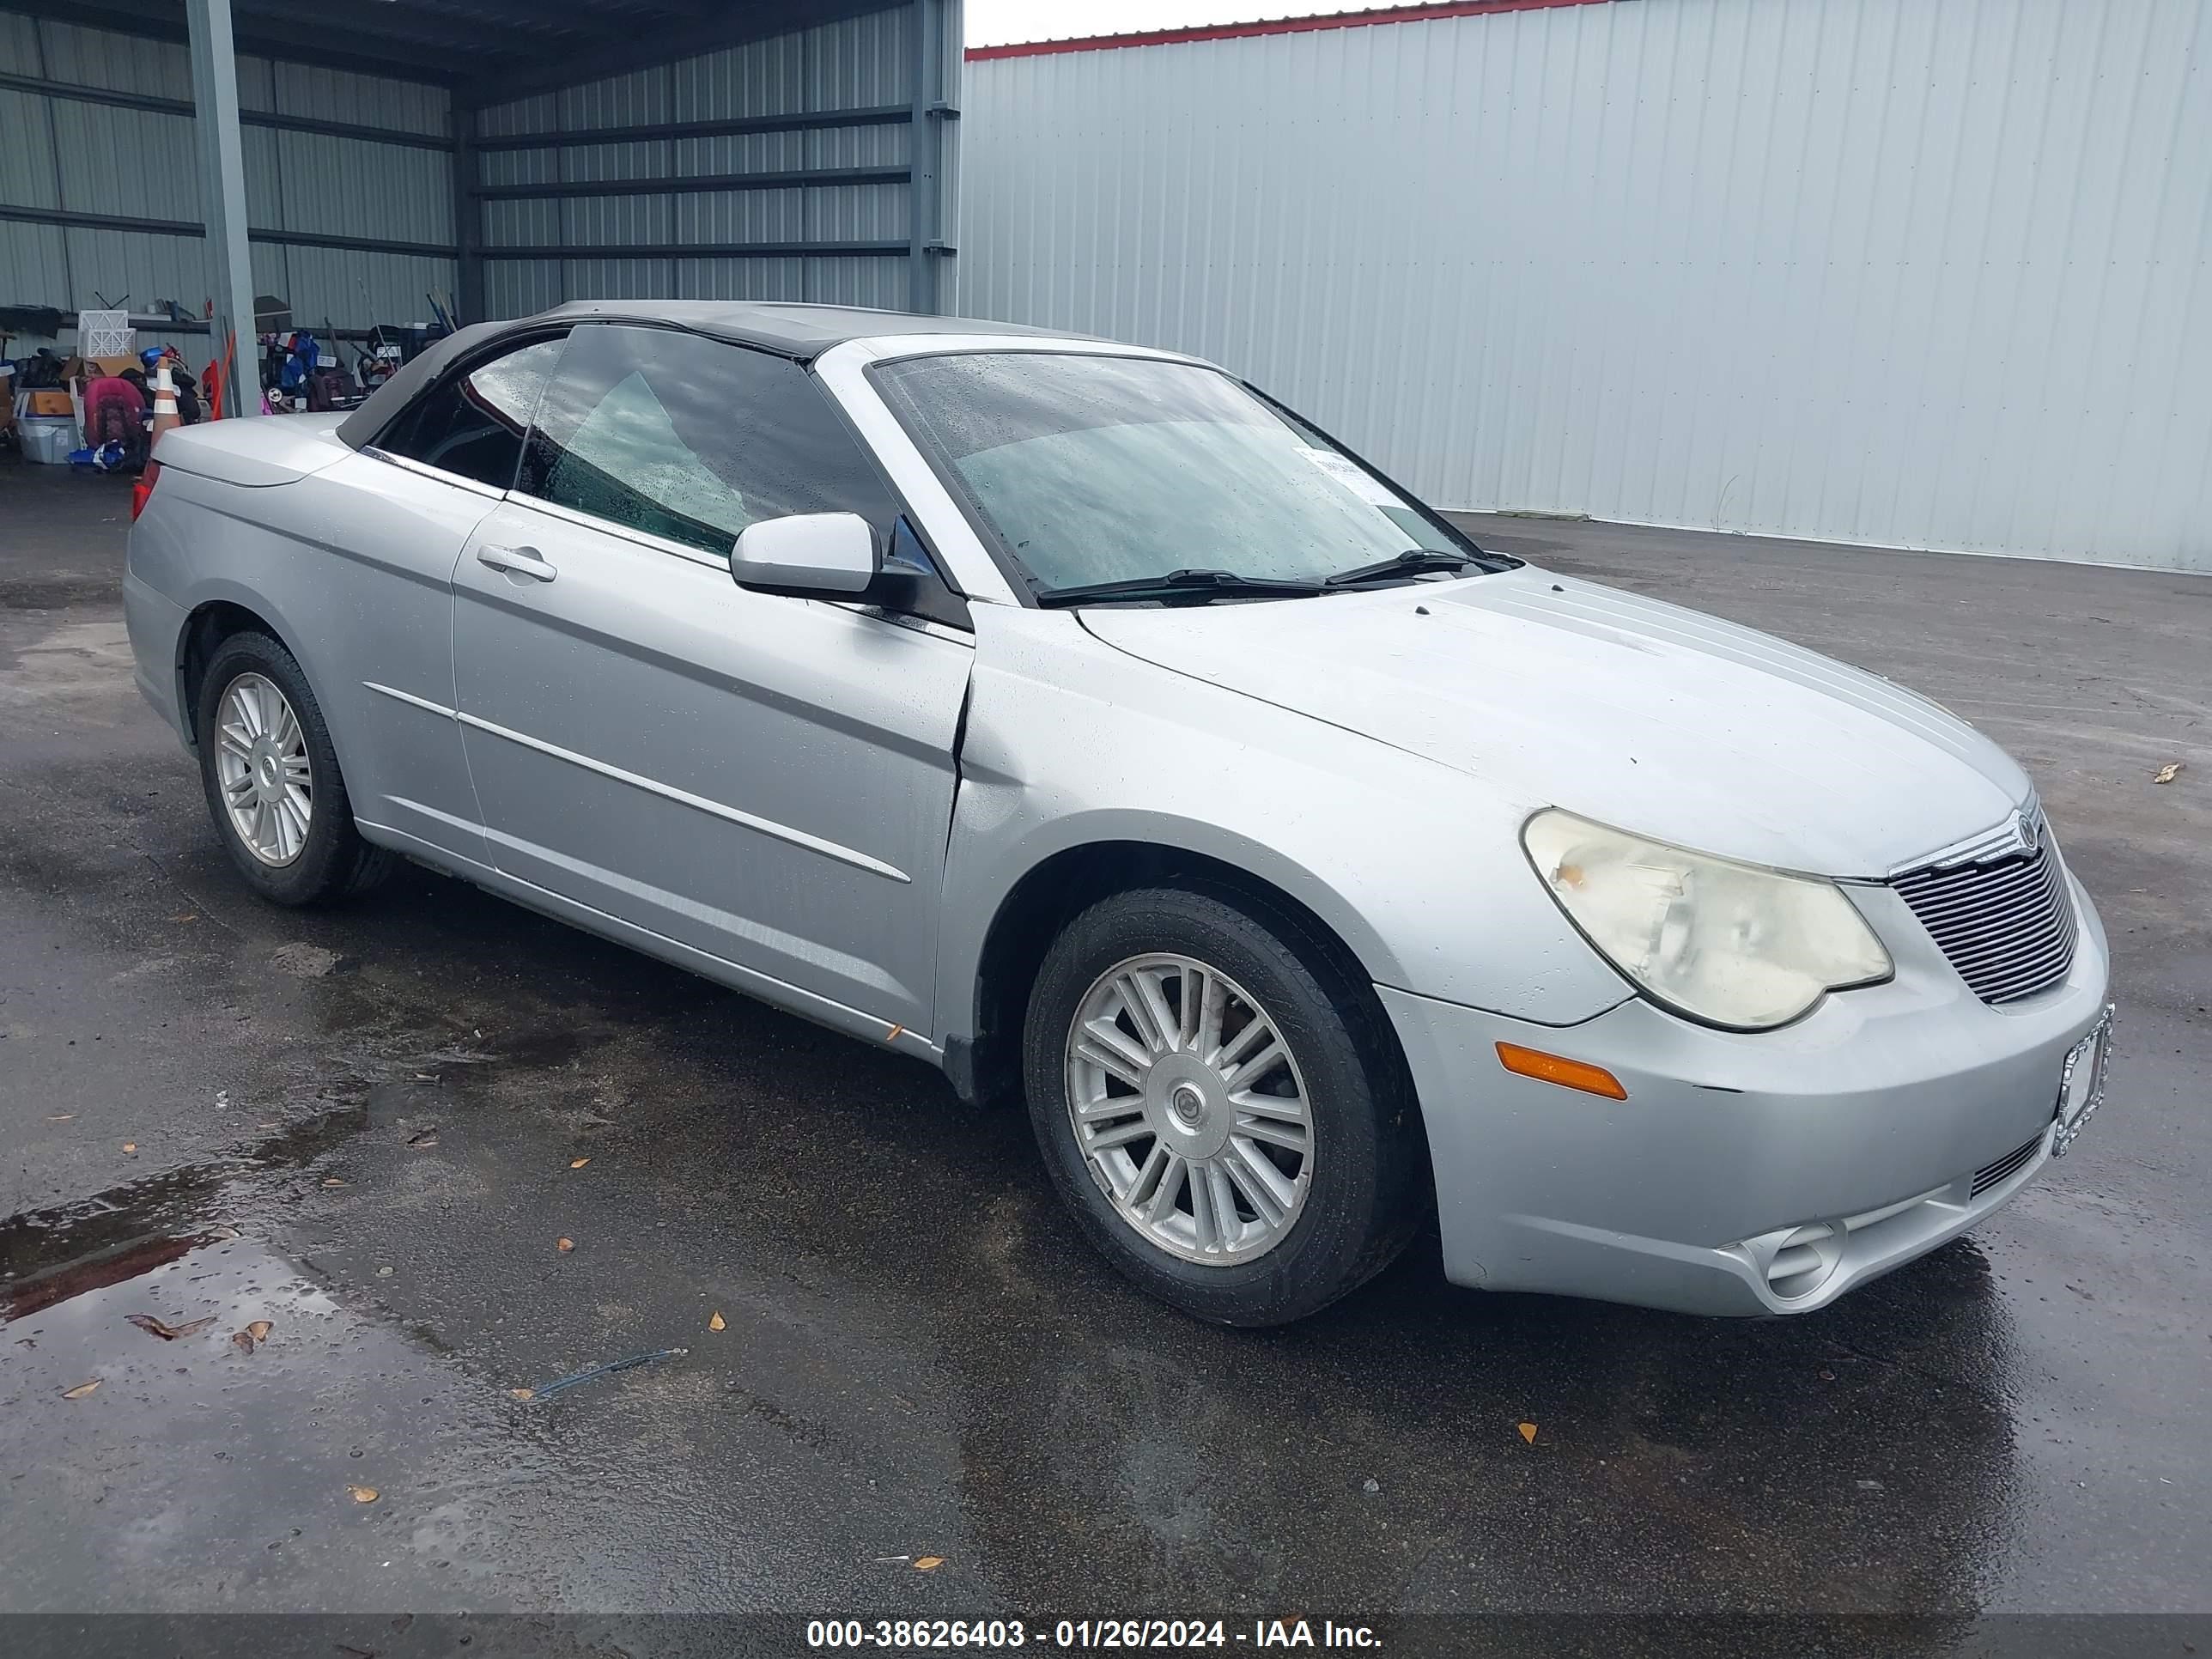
2026 831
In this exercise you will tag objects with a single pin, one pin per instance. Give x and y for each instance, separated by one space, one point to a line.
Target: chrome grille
1993 1175
2008 928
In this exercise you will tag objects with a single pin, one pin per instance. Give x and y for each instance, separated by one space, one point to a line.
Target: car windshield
1090 469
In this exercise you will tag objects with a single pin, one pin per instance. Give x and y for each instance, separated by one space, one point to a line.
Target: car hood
1638 713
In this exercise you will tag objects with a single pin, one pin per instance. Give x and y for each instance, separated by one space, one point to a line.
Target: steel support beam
301 40
935 73
252 118
702 251
874 115
695 184
468 216
72 221
222 186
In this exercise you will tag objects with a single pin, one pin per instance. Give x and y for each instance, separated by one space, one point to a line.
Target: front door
765 780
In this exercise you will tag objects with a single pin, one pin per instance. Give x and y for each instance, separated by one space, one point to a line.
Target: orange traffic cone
165 401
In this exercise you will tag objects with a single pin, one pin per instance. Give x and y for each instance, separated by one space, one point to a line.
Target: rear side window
691 440
471 424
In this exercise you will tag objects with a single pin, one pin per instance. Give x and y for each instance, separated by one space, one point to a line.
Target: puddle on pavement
134 1229
348 1458
288 1444
213 1469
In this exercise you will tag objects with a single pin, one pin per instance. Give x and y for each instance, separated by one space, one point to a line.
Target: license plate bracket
2081 1083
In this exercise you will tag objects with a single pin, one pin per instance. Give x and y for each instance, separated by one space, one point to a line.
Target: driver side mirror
826 556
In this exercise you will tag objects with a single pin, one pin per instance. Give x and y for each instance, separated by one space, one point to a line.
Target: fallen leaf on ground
81 1390
927 1563
1529 1432
716 1324
187 916
2168 773
523 1394
363 1494
564 1245
424 1138
166 1331
259 1329
580 1163
61 1117
332 1181
242 1341
131 1147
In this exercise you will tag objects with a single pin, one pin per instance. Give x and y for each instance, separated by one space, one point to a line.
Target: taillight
143 488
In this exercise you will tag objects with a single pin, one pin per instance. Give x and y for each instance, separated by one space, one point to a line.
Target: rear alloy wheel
272 781
261 763
1221 1105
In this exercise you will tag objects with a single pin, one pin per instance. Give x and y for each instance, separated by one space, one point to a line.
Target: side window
692 439
471 424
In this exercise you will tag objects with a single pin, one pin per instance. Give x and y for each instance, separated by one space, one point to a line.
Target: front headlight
1728 943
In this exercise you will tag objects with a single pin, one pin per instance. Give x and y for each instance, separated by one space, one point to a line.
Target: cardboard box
79 368
48 403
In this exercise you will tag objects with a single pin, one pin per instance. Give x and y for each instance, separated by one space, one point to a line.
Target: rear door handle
517 562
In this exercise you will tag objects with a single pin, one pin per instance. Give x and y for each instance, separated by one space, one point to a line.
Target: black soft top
801 332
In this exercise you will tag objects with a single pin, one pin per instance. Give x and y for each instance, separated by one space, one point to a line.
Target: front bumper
1863 1125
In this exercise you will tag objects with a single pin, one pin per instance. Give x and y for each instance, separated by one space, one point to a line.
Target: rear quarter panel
350 567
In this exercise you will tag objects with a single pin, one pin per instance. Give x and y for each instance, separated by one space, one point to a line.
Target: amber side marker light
1556 1068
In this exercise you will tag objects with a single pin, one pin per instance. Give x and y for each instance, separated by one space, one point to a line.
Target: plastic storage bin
47 439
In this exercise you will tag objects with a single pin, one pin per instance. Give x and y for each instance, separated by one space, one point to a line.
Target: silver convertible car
1076 720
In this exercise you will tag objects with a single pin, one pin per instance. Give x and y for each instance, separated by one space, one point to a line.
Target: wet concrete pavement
364 1127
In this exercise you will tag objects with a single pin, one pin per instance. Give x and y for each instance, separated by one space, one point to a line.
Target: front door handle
517 562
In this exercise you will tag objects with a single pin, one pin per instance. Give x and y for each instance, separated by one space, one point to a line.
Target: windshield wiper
1184 587
1416 562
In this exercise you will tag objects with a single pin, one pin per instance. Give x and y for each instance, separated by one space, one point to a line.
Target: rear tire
1242 1189
272 781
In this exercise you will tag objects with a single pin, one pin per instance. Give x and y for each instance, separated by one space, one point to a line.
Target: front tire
272 781
1220 1106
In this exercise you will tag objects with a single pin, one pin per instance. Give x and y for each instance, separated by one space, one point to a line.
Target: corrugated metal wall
1886 272
80 157
868 61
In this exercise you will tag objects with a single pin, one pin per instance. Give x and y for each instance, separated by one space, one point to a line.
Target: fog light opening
1803 1259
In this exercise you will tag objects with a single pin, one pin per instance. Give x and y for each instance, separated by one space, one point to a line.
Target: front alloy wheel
1189 1109
1221 1102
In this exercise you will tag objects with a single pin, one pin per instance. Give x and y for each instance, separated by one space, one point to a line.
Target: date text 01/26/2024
1086 1634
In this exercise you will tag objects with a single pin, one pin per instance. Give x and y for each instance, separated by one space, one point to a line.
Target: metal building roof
490 48
1375 12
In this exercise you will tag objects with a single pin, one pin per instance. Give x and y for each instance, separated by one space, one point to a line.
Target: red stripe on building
1334 19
